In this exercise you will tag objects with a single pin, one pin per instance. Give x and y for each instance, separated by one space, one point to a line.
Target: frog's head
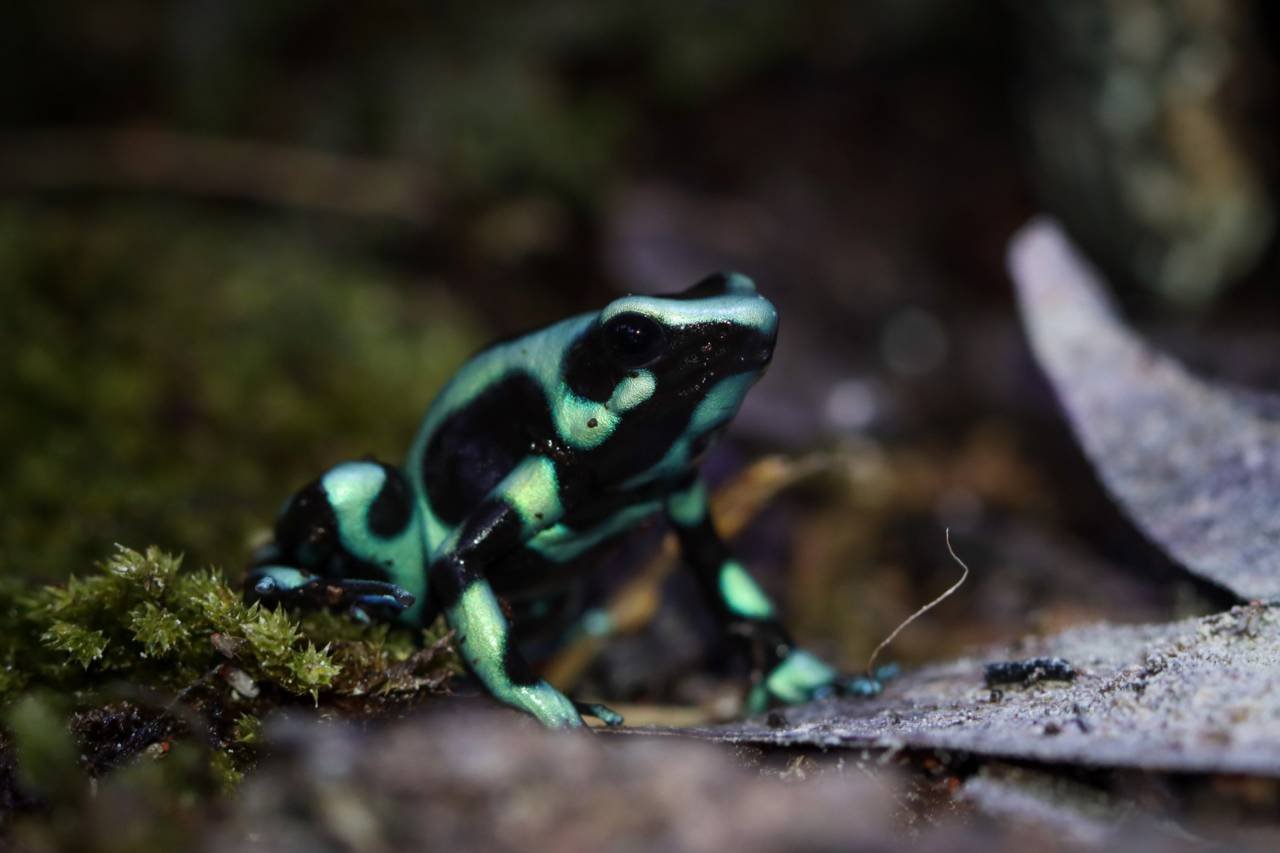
718 327
675 368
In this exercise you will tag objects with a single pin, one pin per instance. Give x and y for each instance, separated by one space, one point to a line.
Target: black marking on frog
458 471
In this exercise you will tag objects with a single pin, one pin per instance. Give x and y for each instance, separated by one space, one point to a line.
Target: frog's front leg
276 585
351 541
526 501
786 674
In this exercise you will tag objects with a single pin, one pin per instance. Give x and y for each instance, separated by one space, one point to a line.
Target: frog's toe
367 593
862 686
266 587
603 713
285 585
887 672
869 685
275 583
825 691
357 592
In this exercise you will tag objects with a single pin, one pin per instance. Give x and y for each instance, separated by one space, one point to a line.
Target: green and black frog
541 448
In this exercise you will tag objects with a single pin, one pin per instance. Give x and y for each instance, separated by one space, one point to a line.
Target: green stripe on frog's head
728 300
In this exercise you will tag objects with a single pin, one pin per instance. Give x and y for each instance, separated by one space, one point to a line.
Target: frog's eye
634 340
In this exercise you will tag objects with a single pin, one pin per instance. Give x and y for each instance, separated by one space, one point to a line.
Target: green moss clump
143 620
140 618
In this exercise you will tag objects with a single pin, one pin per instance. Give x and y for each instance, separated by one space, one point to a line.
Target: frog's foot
285 585
603 713
803 677
865 685
541 701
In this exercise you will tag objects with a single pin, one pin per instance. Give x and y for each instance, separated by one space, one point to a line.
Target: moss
247 730
141 618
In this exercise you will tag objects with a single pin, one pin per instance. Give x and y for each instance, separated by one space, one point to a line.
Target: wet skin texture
539 450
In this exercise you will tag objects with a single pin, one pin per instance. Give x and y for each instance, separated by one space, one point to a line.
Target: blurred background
240 242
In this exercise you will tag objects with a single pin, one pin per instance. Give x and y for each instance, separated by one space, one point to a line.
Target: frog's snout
757 347
763 355
760 352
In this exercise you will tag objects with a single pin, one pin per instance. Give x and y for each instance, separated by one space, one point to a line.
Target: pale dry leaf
1195 464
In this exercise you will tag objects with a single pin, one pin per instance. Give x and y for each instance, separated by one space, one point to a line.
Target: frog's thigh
484 636
485 642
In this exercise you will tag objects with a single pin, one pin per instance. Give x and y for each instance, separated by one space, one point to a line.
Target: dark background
242 241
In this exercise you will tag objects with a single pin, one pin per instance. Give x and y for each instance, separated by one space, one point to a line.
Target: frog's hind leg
786 674
350 540
523 503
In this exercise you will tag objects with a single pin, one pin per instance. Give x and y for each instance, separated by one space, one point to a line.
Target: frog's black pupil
632 338
635 339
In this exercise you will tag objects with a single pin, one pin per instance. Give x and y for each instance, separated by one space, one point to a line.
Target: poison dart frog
538 450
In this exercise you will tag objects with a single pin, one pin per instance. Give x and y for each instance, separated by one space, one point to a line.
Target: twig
871 662
157 160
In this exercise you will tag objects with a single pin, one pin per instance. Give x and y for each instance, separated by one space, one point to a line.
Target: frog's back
486 420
